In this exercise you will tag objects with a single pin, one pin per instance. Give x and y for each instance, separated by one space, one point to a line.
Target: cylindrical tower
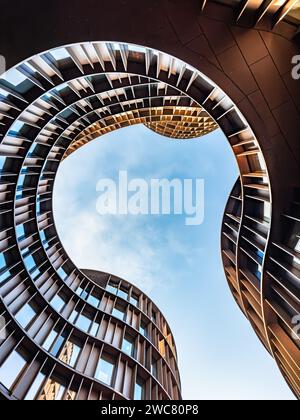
104 340
272 311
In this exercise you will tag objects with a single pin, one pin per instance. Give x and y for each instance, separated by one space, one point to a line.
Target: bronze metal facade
239 74
98 338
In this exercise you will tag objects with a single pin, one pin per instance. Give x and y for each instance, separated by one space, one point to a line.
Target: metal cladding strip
231 226
282 302
57 253
232 231
267 14
88 79
176 122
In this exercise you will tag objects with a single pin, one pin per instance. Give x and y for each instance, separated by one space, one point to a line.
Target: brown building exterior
233 69
114 344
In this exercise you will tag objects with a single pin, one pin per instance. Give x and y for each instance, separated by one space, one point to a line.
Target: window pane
50 340
29 263
20 231
94 329
52 391
4 277
143 330
57 303
139 391
82 293
58 345
154 369
2 261
60 393
2 162
71 395
112 289
25 315
37 383
134 301
11 369
104 372
70 354
61 272
118 313
75 354
92 300
128 347
73 316
83 322
123 294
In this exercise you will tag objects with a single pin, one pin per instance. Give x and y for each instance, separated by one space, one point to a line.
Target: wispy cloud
178 266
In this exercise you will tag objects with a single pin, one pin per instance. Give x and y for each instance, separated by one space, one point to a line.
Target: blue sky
178 266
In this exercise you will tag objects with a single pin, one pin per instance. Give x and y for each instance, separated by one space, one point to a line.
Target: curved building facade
235 69
272 306
98 338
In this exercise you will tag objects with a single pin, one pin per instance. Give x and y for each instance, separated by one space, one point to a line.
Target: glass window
154 369
143 330
94 329
105 371
139 390
60 54
118 313
2 261
73 316
71 395
259 273
62 274
43 237
52 391
83 294
15 77
58 303
112 289
92 300
25 315
2 162
3 277
260 255
123 294
50 340
58 345
134 300
128 346
21 181
154 317
267 211
83 323
38 207
11 369
60 393
33 390
29 263
70 353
